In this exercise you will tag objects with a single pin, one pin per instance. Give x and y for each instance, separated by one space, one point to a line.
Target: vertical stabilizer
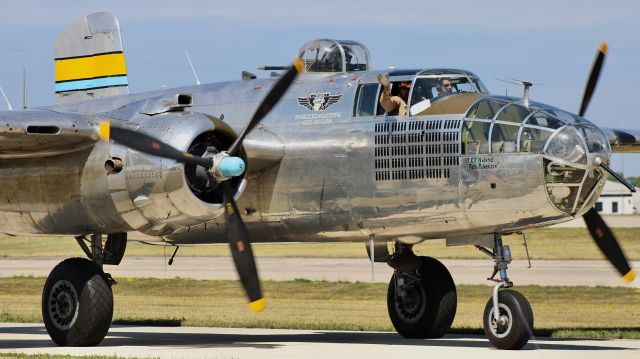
89 61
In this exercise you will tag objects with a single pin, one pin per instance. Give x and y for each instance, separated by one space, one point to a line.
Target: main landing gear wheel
422 304
514 326
77 303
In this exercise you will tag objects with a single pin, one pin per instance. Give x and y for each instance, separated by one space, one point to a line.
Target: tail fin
89 59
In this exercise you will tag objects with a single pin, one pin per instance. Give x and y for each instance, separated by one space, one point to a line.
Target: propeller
600 232
222 167
593 77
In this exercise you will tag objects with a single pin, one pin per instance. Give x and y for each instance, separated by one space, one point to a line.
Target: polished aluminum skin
320 166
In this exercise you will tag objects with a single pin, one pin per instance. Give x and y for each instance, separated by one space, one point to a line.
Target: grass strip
58 356
544 243
560 311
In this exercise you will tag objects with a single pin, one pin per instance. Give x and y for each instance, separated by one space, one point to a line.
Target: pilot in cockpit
446 87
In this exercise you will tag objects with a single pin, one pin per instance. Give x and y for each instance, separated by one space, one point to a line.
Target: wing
40 133
306 102
623 140
331 100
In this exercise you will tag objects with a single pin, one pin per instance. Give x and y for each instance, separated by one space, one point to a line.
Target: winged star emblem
319 101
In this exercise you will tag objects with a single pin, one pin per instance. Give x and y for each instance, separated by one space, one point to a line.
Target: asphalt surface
464 271
188 342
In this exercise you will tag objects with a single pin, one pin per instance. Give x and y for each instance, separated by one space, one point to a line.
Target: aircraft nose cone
568 145
573 176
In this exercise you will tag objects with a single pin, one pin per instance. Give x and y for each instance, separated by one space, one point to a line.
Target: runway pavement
543 272
182 342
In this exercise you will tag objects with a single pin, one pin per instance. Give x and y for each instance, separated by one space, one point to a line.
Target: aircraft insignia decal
319 101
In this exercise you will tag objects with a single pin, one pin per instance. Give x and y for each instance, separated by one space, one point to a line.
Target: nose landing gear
508 317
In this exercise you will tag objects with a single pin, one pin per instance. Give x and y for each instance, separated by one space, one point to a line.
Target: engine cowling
157 196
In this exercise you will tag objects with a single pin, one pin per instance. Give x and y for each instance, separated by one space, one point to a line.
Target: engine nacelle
158 196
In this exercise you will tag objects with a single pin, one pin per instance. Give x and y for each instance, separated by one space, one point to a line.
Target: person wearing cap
394 105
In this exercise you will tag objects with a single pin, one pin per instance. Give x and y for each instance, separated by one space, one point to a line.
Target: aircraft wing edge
623 140
37 133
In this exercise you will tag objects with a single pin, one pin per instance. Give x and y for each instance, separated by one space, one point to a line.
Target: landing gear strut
77 301
421 298
508 317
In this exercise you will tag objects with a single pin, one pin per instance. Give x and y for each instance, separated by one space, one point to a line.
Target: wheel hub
410 301
63 305
501 326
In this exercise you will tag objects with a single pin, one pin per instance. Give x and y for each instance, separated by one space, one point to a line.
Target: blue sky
547 42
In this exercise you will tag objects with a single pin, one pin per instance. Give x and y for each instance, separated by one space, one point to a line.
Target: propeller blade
241 250
593 78
608 244
147 144
272 98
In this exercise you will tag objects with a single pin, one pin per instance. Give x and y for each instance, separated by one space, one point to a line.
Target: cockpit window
366 100
564 116
543 119
486 109
513 113
325 55
428 88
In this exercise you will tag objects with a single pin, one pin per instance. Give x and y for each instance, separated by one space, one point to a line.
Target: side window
533 139
503 138
475 137
397 89
381 111
513 113
545 120
366 100
486 109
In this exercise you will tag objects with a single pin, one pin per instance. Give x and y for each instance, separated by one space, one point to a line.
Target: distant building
617 199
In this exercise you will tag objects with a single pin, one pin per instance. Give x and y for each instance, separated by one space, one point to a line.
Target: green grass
546 243
595 312
57 356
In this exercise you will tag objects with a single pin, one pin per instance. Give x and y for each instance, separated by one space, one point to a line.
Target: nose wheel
508 317
512 324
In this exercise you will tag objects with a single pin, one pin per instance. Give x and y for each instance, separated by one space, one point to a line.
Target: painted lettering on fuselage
481 163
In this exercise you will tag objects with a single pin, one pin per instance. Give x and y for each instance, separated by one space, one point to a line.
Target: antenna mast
525 84
192 68
6 100
24 88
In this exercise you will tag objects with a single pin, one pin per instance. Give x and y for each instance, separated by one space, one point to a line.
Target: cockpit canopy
428 83
325 55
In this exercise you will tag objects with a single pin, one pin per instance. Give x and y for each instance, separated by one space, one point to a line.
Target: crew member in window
394 105
446 87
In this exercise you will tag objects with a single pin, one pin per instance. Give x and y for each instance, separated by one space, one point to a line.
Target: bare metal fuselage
312 175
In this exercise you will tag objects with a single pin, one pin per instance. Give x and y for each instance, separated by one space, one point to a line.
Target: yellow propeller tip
629 277
105 129
298 64
603 47
258 305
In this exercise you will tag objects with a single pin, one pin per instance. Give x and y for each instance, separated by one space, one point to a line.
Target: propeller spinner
222 167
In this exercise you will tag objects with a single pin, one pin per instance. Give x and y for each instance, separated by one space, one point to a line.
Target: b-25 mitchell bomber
308 155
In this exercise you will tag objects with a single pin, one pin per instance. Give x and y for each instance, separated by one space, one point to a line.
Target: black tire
77 303
429 307
516 332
